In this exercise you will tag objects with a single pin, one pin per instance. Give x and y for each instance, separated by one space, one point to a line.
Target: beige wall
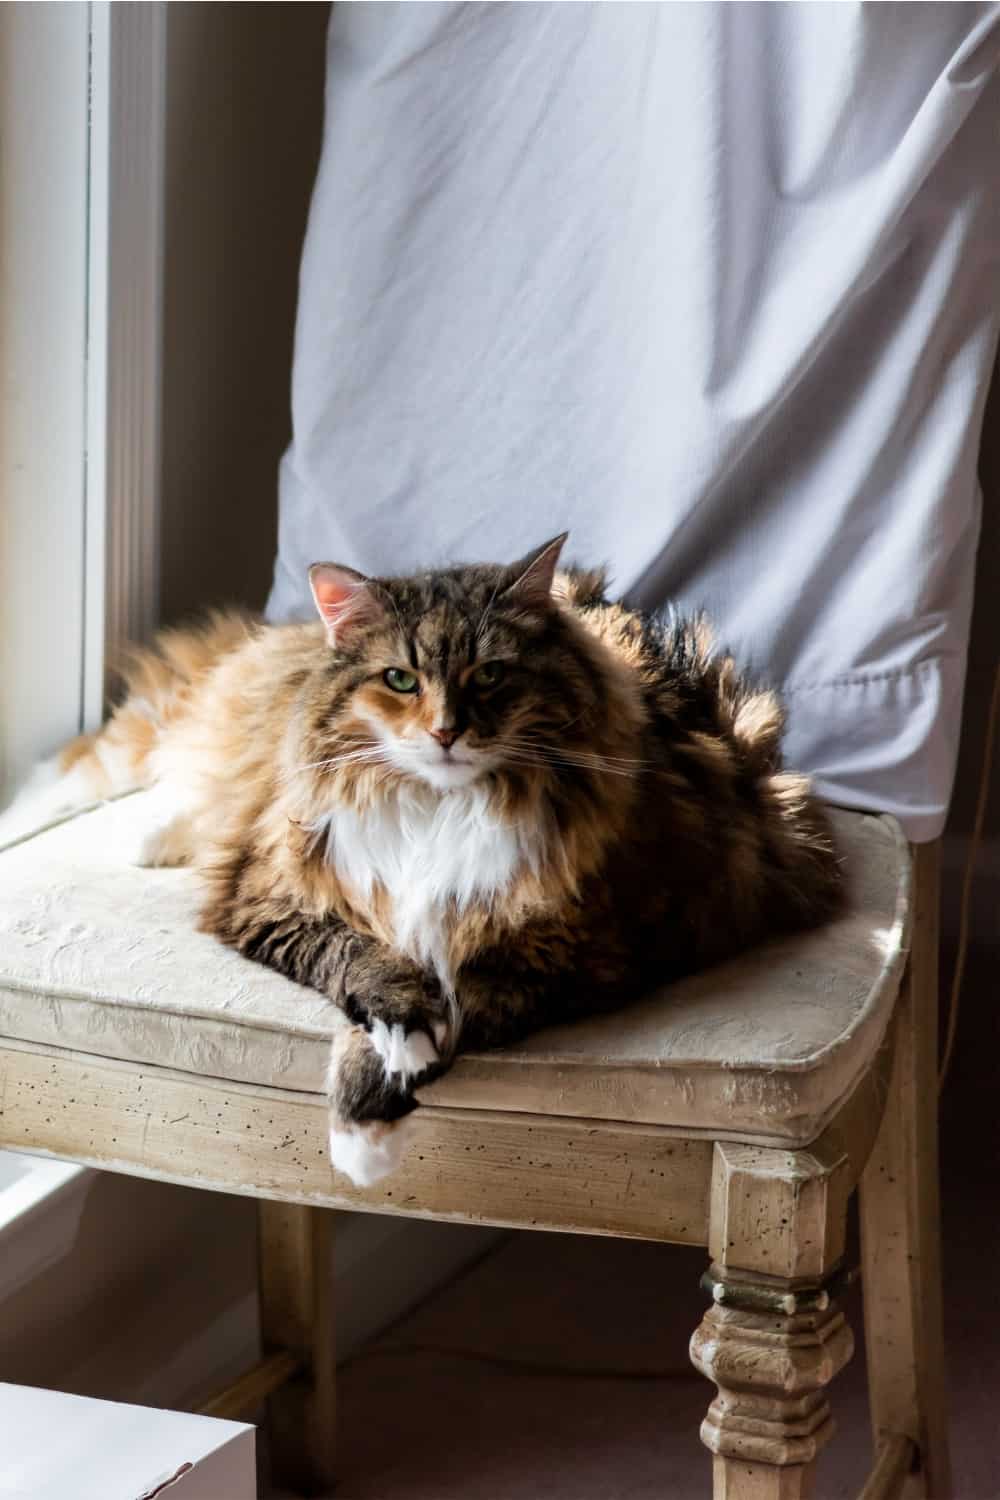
244 114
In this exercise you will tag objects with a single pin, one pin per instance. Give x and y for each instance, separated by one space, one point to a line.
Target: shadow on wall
153 1296
244 119
984 646
984 656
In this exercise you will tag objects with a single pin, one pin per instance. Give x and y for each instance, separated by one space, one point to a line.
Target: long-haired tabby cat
462 805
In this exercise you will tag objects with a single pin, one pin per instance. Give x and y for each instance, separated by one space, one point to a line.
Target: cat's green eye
400 680
488 675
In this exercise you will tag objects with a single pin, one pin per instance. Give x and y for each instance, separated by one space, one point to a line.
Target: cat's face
451 676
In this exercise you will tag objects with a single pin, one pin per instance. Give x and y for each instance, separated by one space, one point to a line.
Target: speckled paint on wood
468 1165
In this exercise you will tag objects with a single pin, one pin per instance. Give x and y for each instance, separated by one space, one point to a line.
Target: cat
463 805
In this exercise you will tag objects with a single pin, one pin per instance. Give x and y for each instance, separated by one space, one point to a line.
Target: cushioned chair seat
101 958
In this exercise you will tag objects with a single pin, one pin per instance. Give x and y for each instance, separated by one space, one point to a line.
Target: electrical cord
526 1366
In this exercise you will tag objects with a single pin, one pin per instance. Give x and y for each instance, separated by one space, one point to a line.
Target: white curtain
713 286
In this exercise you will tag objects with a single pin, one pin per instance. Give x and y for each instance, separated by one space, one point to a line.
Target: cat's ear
533 575
345 599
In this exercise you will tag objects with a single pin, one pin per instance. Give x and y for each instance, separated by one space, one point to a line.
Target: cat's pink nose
445 737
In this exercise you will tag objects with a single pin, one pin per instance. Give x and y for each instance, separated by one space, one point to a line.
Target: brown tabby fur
676 838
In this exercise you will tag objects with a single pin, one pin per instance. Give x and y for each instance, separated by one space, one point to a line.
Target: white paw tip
134 838
148 851
403 1056
367 1153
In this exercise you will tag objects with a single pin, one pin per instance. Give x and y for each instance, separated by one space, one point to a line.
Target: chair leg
900 1221
772 1339
296 1313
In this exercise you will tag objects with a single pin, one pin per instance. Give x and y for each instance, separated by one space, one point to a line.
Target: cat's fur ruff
456 864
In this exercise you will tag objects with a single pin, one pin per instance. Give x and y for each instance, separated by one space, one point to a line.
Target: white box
59 1447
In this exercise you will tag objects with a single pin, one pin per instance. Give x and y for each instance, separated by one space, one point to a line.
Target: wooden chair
738 1110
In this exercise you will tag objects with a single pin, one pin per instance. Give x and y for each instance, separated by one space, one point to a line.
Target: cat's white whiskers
374 755
387 774
572 722
516 756
566 750
592 758
571 752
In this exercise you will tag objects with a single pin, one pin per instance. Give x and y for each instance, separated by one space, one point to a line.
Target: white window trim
43 308
81 226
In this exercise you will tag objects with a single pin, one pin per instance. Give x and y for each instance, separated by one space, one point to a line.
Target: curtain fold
715 287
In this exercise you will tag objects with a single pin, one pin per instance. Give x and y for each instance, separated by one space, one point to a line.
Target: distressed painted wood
773 1339
894 1462
254 1386
780 1213
748 1481
771 1370
296 1315
900 1220
471 1166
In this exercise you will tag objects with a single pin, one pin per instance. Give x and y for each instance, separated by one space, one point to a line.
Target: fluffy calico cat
462 805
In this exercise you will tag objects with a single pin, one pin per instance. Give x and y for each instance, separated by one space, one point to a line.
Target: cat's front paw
405 1032
367 1152
370 1114
407 1055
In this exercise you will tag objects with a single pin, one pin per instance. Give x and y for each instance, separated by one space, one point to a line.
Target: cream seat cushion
101 958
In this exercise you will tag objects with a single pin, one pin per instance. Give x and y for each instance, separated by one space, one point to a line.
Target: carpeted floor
556 1369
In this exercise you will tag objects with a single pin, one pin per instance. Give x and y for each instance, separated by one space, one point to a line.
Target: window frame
81 228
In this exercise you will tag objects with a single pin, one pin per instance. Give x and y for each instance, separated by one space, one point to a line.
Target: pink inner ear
343 598
536 572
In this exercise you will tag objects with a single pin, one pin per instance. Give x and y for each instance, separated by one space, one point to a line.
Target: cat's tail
804 870
121 756
803 881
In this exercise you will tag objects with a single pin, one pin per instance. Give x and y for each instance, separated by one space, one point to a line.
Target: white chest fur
435 855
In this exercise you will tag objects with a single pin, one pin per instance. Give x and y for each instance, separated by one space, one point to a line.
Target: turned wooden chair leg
296 1314
773 1338
900 1221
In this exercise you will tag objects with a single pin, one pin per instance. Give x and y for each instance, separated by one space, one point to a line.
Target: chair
737 1109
